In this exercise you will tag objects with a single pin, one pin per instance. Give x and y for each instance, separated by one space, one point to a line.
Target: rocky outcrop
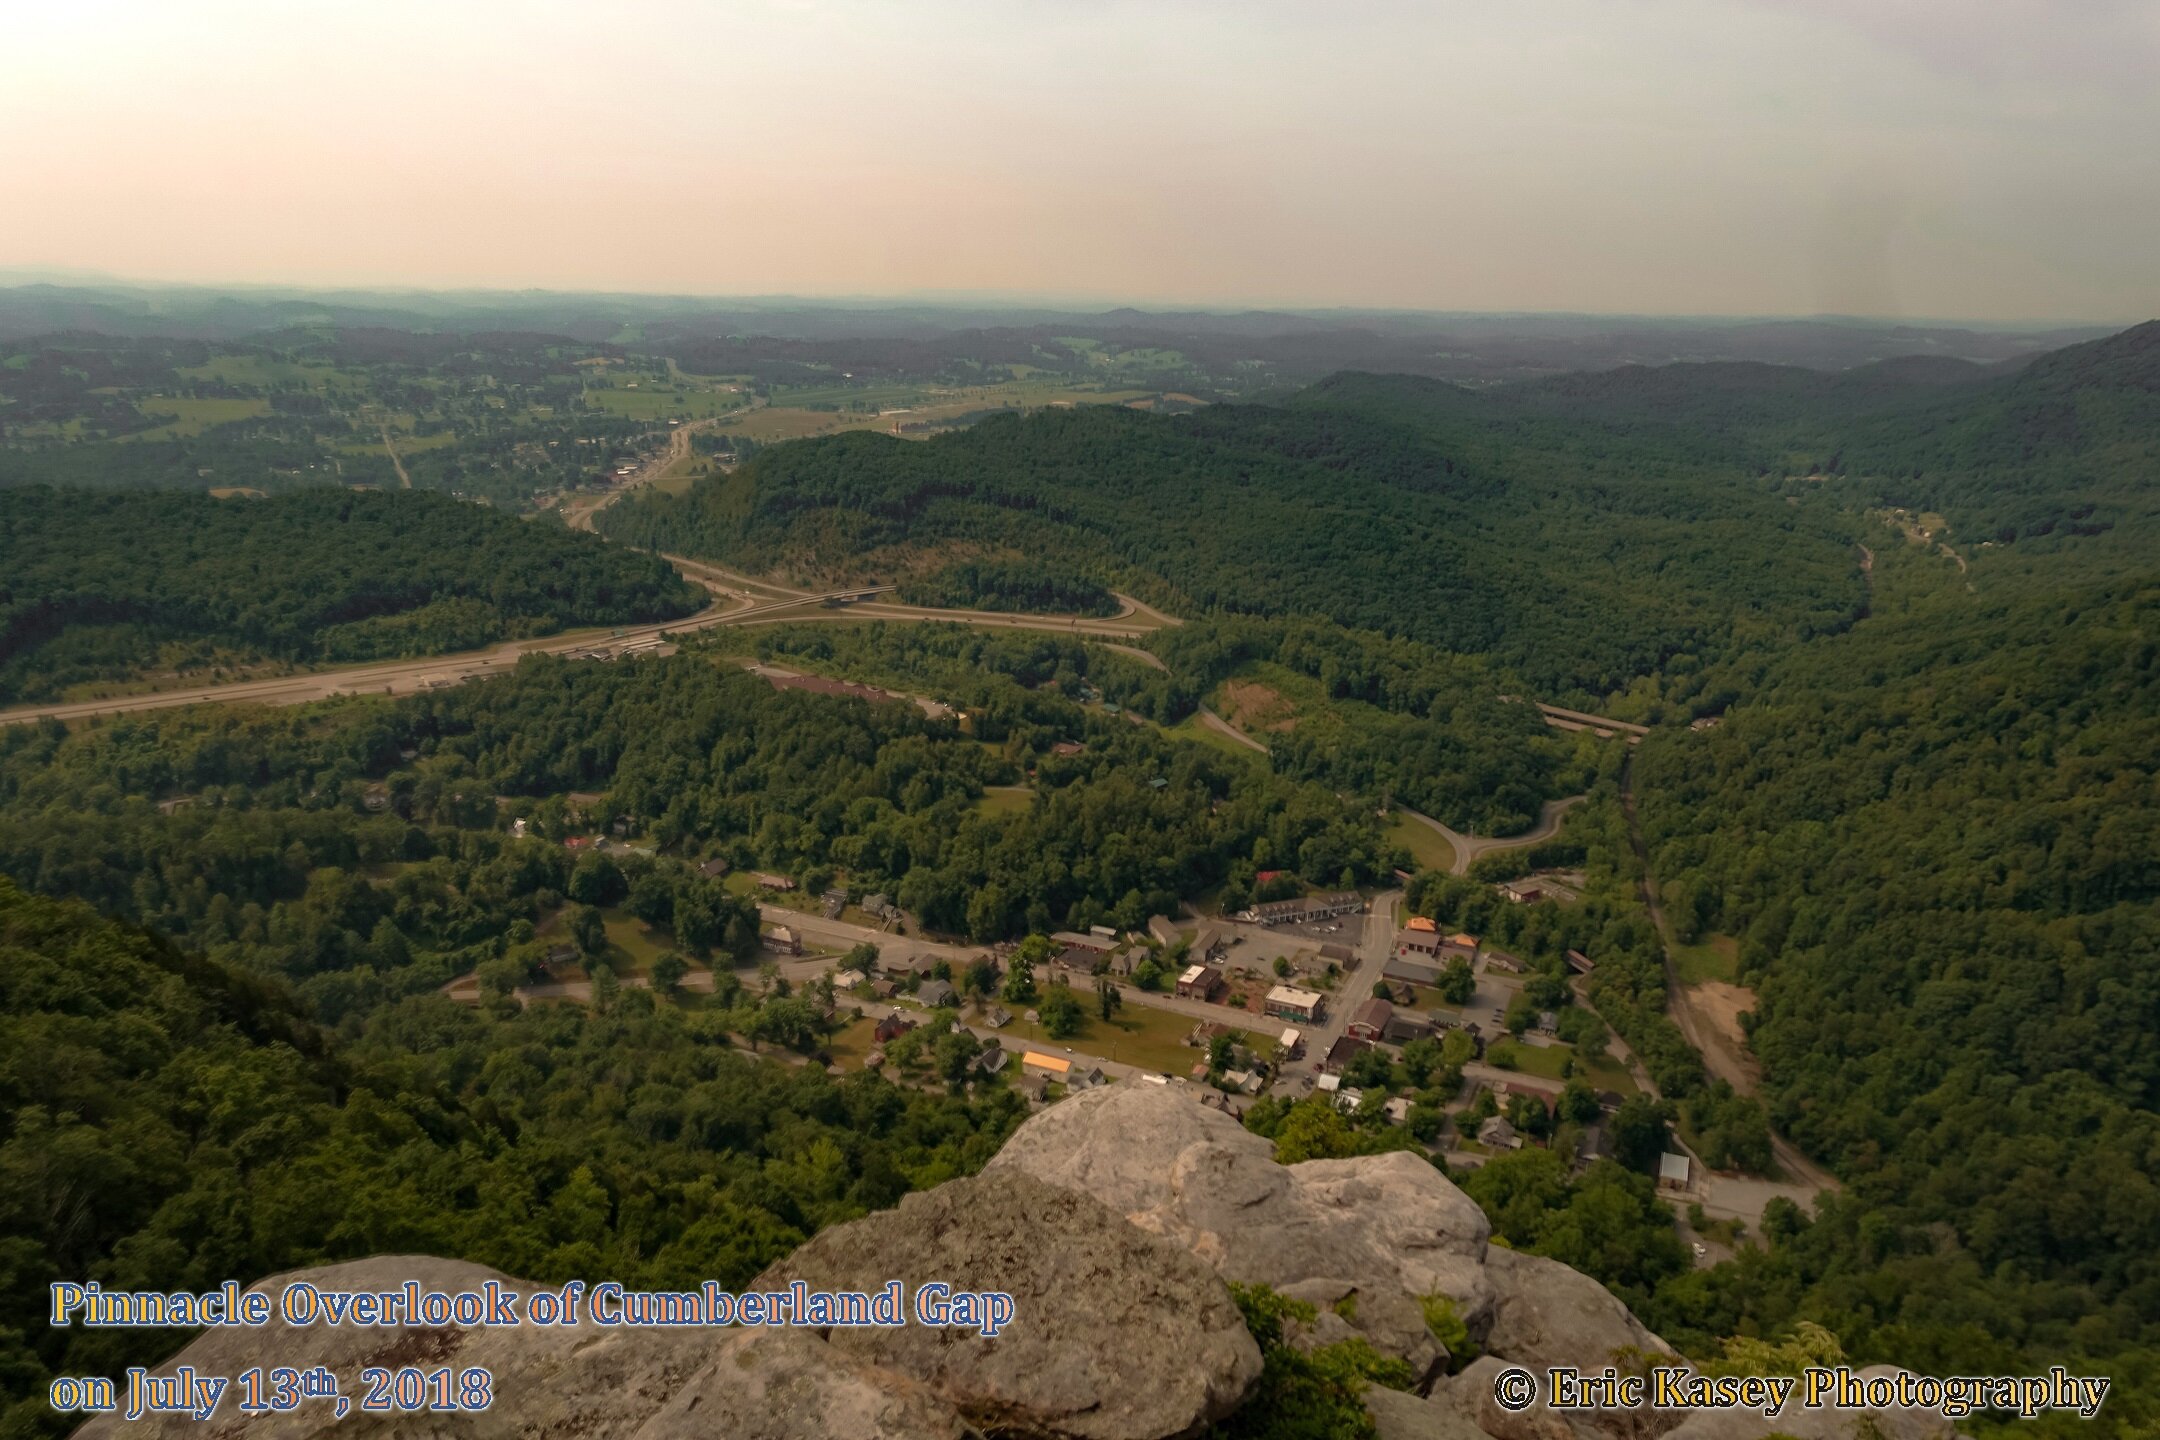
552 1381
1547 1314
1116 1332
1374 1235
789 1385
1113 1219
1796 1420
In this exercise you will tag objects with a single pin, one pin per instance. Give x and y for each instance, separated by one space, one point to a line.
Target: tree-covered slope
1577 561
98 586
2066 447
1935 839
167 1122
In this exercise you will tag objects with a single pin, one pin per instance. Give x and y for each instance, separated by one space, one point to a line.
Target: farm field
657 400
270 370
186 418
790 417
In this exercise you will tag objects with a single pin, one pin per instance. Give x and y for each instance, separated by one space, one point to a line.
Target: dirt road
403 478
1221 726
1724 1060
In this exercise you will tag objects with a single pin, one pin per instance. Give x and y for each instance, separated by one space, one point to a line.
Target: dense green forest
319 575
167 1121
1399 720
254 829
1576 560
1010 585
1937 841
1926 818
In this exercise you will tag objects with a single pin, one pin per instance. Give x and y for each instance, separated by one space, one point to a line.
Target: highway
398 677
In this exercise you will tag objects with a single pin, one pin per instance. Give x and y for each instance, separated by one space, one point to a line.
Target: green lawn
632 944
1715 958
1426 845
1607 1073
1138 1034
1541 1060
1194 729
1005 800
406 443
852 1042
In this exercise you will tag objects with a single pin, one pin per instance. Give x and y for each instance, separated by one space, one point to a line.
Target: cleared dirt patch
1718 1005
1251 706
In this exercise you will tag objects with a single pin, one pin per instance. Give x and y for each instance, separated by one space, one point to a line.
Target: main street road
1355 990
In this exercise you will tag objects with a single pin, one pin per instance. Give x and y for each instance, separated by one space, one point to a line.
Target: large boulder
790 1385
579 1380
1374 1235
1796 1420
1470 1397
1546 1314
1118 1334
1398 1415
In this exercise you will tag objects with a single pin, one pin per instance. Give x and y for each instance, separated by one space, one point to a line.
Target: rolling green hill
98 587
1404 507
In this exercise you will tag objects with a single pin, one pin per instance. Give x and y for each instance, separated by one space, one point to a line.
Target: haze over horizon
1690 157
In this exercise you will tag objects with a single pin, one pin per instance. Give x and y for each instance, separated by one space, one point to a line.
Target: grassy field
632 944
648 399
852 1042
1138 1034
269 370
1426 845
790 418
1193 729
1607 1073
1540 1060
1005 800
1716 958
407 443
185 418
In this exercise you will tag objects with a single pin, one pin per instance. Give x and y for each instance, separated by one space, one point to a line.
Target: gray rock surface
1400 1416
1114 1219
790 1385
1547 1314
1119 1334
1388 1228
573 1380
1469 1396
1896 1423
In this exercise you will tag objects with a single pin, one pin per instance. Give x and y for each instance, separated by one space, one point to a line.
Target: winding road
743 600
1470 847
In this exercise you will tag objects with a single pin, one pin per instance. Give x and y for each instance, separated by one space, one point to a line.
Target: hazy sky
1990 159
